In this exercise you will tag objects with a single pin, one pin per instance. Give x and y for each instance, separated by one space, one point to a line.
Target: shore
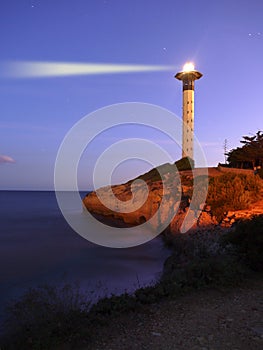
221 318
209 296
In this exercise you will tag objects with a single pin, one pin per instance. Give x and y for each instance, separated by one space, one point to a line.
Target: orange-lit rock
164 196
164 202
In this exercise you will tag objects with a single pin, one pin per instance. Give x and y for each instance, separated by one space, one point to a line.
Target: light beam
33 69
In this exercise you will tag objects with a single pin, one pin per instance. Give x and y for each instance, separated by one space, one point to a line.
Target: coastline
201 286
213 318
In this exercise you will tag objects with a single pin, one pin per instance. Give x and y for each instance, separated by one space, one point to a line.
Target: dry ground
226 318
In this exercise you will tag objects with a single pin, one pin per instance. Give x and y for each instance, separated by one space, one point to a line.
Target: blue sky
223 38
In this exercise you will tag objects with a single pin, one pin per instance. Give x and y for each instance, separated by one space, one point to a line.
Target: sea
38 247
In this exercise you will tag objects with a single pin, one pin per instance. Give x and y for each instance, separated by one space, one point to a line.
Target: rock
133 205
176 223
206 219
164 203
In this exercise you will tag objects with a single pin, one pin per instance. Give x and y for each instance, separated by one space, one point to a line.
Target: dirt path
206 319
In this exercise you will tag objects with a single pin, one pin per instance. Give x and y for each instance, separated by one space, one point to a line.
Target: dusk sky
223 38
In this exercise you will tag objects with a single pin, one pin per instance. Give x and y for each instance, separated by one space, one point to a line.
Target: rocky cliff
162 196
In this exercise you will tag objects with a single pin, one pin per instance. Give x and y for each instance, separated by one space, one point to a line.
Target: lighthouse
188 77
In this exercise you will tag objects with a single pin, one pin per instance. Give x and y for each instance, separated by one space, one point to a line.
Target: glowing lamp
188 67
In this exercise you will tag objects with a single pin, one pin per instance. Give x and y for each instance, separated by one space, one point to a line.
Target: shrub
45 317
260 173
248 237
185 163
155 174
232 192
212 270
113 305
200 260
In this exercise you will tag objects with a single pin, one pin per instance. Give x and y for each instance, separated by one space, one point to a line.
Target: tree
250 155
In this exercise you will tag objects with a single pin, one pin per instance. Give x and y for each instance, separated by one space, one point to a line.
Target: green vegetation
250 155
155 174
226 192
248 237
230 192
199 261
45 317
185 163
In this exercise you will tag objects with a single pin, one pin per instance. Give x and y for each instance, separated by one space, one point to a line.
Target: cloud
6 159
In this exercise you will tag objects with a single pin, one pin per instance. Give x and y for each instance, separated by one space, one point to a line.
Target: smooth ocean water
37 246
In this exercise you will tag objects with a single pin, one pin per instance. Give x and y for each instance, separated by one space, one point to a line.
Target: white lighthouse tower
188 76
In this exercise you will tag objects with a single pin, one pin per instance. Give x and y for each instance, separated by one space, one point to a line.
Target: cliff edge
164 195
